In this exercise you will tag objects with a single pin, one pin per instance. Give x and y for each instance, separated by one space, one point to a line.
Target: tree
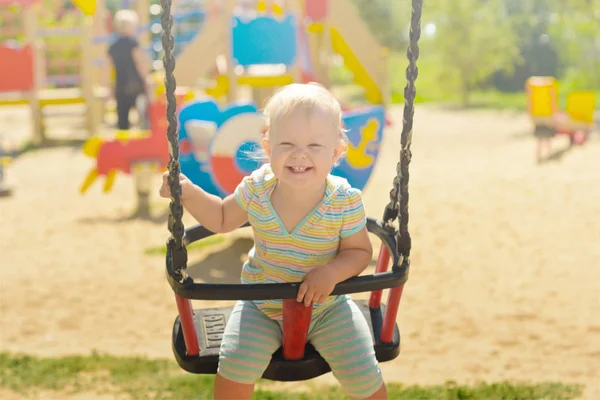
576 30
382 18
473 40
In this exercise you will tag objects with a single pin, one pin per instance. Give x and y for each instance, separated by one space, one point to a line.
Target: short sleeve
134 43
354 216
244 192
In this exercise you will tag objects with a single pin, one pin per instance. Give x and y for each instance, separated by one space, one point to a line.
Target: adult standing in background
130 67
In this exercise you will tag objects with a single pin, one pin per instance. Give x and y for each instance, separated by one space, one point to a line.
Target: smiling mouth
299 170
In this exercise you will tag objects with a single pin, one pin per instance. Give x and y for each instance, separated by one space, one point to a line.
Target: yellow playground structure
543 106
340 30
28 40
325 29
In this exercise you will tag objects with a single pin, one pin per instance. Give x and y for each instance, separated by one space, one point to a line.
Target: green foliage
576 32
140 378
481 48
473 40
383 18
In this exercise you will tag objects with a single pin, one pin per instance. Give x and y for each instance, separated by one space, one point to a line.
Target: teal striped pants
340 334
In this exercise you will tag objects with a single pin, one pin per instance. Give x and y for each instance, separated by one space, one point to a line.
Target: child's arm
353 258
215 214
356 252
354 255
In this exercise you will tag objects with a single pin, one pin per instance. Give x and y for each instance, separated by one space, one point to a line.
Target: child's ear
266 146
338 151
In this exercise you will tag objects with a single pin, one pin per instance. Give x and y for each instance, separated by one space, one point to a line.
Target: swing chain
175 243
397 208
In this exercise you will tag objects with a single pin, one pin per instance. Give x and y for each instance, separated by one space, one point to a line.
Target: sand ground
505 280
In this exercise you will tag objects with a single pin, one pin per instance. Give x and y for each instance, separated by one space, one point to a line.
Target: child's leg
249 341
343 338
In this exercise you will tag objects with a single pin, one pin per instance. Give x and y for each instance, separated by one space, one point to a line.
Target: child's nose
299 153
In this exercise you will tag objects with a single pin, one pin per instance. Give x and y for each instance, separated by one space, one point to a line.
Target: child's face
303 149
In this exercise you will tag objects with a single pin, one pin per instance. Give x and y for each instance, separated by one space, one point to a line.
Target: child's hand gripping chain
165 189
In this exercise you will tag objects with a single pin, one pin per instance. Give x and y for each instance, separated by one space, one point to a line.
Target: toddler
308 226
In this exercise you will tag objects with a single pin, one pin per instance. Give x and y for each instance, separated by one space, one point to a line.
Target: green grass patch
141 378
200 245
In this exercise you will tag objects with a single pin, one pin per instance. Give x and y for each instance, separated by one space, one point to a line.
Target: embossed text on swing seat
214 327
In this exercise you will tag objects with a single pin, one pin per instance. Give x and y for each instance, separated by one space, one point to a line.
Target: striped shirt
282 256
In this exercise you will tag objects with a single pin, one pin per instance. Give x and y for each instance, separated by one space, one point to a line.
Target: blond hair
296 96
125 21
308 97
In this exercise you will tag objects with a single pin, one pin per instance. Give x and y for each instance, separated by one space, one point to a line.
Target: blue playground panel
206 110
364 144
186 26
264 40
355 122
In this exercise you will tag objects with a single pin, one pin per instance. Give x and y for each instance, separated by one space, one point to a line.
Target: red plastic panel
316 10
19 64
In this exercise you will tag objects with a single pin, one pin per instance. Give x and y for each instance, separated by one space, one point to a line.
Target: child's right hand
165 189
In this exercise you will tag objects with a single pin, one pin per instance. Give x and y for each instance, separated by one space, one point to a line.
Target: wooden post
143 172
227 13
143 11
87 75
37 44
324 53
383 70
101 67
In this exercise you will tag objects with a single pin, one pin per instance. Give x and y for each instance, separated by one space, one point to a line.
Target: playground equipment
215 136
139 153
272 51
290 44
128 148
6 186
578 119
215 143
28 78
197 333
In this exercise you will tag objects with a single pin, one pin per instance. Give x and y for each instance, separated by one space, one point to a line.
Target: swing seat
201 330
210 324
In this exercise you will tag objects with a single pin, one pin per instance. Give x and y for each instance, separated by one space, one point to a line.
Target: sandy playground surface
505 282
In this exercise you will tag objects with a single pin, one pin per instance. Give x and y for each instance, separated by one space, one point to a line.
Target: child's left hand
317 285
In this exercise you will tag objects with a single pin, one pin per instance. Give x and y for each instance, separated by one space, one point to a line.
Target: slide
352 39
198 57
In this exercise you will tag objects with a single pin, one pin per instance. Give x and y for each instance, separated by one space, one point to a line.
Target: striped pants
340 334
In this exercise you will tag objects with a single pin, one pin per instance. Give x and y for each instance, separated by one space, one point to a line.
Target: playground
503 284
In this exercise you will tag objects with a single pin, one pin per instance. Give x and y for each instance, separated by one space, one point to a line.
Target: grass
141 378
200 245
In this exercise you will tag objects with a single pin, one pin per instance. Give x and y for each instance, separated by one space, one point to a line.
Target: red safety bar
296 321
186 316
383 261
389 318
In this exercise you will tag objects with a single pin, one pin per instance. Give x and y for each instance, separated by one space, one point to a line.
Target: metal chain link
175 243
398 205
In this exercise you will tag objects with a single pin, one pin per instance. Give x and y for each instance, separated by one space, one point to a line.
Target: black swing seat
210 324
